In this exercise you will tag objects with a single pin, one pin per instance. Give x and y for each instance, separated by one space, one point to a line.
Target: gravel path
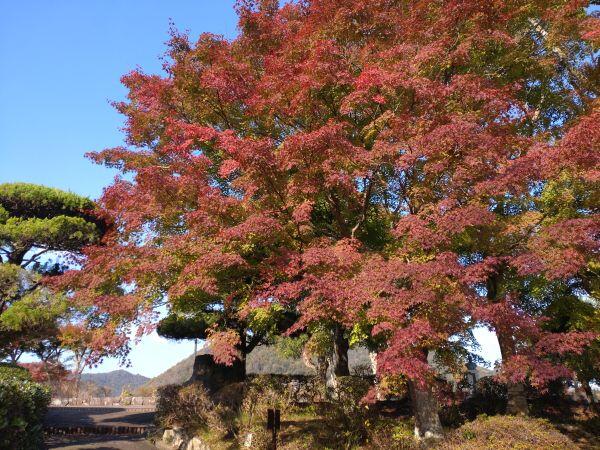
98 443
100 416
93 418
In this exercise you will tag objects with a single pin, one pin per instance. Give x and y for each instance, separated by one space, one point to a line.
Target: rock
214 376
197 444
173 439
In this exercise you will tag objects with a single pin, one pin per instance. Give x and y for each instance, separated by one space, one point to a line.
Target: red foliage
367 163
43 372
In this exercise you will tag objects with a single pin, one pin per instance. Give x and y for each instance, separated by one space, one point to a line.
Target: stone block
214 376
173 438
197 444
248 440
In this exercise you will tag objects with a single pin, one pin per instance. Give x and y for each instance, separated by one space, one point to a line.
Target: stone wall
104 401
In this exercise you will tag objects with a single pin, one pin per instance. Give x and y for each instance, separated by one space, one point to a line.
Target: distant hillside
116 380
262 360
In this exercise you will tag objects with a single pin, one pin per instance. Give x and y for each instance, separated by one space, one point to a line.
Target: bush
347 416
191 408
263 392
23 405
490 398
13 371
392 434
502 432
231 412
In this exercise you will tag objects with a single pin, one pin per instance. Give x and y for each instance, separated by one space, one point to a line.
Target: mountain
262 360
266 360
177 374
115 381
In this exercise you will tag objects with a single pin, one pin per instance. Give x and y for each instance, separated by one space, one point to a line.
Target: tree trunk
594 406
517 400
17 256
15 355
516 395
319 364
340 353
426 412
373 358
338 363
238 369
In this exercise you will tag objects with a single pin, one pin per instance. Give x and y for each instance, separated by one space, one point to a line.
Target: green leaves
30 200
178 327
56 233
36 217
23 405
35 220
36 309
11 277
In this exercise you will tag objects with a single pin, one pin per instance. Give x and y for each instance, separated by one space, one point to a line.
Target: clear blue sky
61 61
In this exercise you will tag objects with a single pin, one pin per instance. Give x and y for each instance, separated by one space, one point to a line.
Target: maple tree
387 170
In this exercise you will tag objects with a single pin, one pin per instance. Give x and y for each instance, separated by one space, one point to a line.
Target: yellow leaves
567 196
264 319
320 341
394 385
359 334
523 224
247 248
372 130
3 215
10 280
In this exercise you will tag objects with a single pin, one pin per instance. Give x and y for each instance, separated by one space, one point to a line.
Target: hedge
13 371
23 405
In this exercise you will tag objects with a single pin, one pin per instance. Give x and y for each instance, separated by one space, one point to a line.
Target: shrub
23 405
13 371
263 392
346 415
392 434
490 398
191 408
454 415
502 432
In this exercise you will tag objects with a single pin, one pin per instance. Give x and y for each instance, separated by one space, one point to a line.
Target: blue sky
61 65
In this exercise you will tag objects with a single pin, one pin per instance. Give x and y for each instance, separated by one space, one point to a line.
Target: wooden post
274 424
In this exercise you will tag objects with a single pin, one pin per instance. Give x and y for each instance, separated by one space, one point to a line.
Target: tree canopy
36 223
401 171
43 219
